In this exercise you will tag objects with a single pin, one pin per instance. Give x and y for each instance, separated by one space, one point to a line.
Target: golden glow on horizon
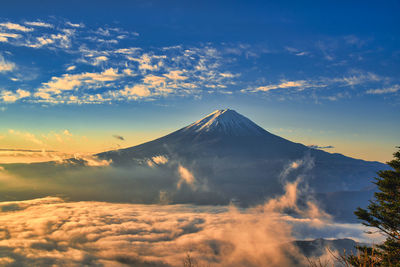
15 144
19 146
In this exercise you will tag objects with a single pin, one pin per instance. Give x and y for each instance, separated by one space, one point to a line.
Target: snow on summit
225 121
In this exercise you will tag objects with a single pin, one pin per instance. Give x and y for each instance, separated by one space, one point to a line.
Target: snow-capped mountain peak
227 122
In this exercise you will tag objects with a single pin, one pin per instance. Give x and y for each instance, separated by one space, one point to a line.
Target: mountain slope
228 149
226 122
221 133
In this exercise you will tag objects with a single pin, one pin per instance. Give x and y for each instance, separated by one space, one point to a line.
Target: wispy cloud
15 27
393 89
4 36
89 160
186 178
357 78
69 82
71 68
146 62
300 84
175 75
53 145
39 24
31 155
119 137
152 73
6 66
329 88
27 136
61 39
23 150
296 51
74 25
320 147
288 84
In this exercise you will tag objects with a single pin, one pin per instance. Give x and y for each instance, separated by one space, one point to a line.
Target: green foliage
383 213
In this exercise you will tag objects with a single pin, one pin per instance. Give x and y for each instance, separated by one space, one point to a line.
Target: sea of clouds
53 232
62 231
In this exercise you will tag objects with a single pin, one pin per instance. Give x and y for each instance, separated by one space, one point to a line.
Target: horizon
51 155
40 154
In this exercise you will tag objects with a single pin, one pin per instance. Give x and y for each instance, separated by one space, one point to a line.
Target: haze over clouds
50 231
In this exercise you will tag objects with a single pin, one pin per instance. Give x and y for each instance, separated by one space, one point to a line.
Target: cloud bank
50 231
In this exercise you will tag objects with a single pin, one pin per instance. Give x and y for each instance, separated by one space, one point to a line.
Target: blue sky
73 75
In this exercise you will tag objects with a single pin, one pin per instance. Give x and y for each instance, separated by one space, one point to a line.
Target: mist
91 212
51 231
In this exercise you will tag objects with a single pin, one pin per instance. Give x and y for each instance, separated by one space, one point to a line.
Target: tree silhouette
383 214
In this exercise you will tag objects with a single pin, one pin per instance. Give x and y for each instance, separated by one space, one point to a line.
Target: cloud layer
50 231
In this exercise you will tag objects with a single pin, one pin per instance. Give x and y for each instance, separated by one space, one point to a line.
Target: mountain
317 247
223 133
224 122
238 160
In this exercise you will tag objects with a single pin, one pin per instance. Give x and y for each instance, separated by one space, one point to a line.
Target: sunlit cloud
149 73
323 88
161 72
31 155
6 66
90 160
94 233
15 26
67 133
4 36
146 61
157 160
129 51
282 85
154 80
69 82
228 75
39 24
55 145
175 75
71 68
100 59
11 97
75 25
160 159
186 177
136 91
